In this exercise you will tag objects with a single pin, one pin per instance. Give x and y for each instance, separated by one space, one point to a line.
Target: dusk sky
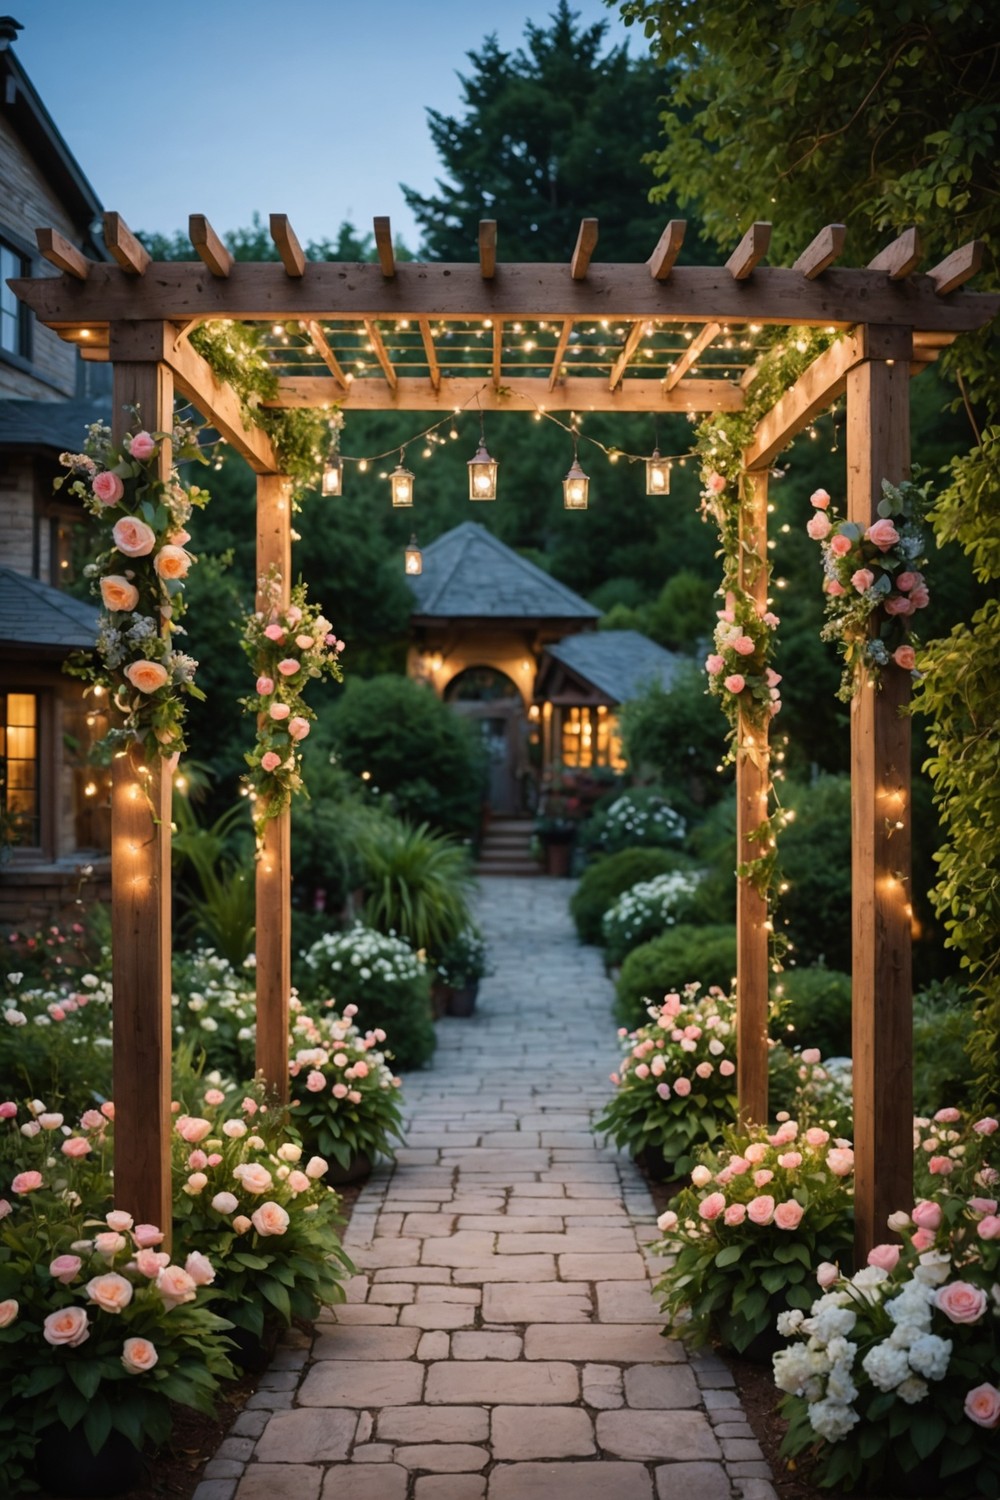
314 108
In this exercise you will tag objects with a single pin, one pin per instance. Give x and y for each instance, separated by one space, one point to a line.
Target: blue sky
314 108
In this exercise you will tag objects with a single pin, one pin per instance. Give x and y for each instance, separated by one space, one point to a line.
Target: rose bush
347 1102
383 978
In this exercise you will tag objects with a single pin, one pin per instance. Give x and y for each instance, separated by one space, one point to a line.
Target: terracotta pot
441 994
558 857
462 1002
359 1166
65 1465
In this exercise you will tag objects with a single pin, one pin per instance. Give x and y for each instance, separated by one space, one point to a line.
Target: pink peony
982 1406
948 1116
735 683
711 1207
133 537
961 1301
983 1205
117 593
905 657
884 534
820 499
142 446
111 1292
108 487
192 1129
788 1215
8 1110
819 526
138 1356
885 1257
26 1182
762 1177
65 1268
298 727
67 1327
703 1070
663 1089
714 665
667 1221
760 1210
755 1152
269 761
269 1218
863 579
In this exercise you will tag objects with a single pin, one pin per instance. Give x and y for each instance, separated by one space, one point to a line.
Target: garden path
501 1341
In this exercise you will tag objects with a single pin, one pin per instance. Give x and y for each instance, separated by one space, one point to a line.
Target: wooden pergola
654 337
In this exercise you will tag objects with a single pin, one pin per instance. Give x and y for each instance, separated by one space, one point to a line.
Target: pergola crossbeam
130 253
209 247
586 243
668 247
901 258
574 393
822 251
632 342
58 251
957 268
321 344
381 353
287 245
689 358
560 354
488 248
383 246
430 353
497 362
749 252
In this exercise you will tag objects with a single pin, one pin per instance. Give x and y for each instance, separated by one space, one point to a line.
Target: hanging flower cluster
140 578
288 645
874 582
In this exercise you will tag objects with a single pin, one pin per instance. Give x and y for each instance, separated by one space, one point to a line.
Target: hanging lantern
333 475
482 471
576 485
657 474
401 483
414 559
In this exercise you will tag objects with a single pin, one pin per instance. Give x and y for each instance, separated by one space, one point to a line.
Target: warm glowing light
414 559
482 474
576 488
401 485
333 475
657 475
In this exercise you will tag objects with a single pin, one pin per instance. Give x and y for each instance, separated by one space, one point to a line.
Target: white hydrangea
913 1390
829 1322
790 1322
885 1366
832 1419
929 1356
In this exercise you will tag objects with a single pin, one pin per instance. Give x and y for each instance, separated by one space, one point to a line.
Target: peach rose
269 761
289 666
834 588
820 499
117 593
922 1239
711 1207
863 579
316 1167
298 1182
142 446
788 1215
265 686
279 711
270 1218
884 534
111 1292
138 1356
68 1326
199 1268
841 545
150 1263
298 727
961 1301
109 1242
840 1160
254 1177
241 1224
172 562
133 537
146 676
192 1129
982 1406
682 1087
107 487
175 1286
9 1309
760 1210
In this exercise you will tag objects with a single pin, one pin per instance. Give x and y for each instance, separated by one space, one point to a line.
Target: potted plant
461 965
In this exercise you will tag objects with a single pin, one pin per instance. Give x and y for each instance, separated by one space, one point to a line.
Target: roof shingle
33 613
468 573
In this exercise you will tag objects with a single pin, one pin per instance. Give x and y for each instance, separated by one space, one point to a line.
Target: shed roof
469 573
60 425
619 663
33 613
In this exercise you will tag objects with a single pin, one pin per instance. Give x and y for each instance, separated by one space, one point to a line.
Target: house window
590 737
19 769
14 327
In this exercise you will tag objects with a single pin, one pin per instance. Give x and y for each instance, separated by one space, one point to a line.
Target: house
505 643
53 804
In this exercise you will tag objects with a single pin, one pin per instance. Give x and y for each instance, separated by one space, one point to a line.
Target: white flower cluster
373 954
210 990
648 907
637 818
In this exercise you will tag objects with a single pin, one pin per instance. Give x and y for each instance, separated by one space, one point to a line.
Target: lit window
19 765
14 337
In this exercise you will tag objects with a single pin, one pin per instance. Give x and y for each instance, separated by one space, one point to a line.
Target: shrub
414 747
679 738
383 977
642 912
815 856
605 879
416 883
348 1102
944 1023
814 1009
678 957
641 818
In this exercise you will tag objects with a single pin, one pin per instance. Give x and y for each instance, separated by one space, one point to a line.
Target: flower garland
284 718
874 582
140 579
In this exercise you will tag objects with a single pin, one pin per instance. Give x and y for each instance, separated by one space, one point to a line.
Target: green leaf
729 1255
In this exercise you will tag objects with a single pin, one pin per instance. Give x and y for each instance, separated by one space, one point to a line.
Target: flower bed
386 982
638 818
641 913
348 1105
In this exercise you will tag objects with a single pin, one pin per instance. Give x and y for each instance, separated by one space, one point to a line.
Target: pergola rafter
444 336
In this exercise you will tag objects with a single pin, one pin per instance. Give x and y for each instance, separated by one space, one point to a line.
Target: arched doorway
494 701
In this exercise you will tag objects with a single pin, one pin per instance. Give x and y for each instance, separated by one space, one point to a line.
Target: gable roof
619 663
60 425
33 613
469 573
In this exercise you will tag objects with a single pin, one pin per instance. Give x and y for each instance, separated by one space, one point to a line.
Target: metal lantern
333 475
657 474
482 470
401 484
414 559
576 485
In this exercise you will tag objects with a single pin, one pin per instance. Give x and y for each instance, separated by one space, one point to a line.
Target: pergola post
140 901
274 858
752 783
878 447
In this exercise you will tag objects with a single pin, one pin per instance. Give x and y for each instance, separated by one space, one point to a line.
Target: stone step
511 867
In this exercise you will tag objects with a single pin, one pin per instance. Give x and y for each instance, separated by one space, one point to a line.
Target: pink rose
907 581
254 1178
142 446
172 562
711 1207
982 1406
297 1182
735 683
293 614
8 1110
65 1268
885 1257
884 534
899 604
192 1129
788 1215
175 1286
922 1239
863 579
146 676
815 1136
743 645
715 483
274 633
840 1160
26 1182
727 1068
298 727
820 499
989 1228
76 1147
811 1056
735 1214
703 1070
714 665
269 1219
199 1268
961 1301
118 1220
108 487
986 1126
269 761
279 711
905 657
834 588
819 526
138 1356
265 686
790 1160
642 1071
179 538
111 1292
920 597
66 1327
315 1082
760 1210
762 1177
983 1205
109 1243
948 1116
755 1152
827 1273
304 642
133 537
940 1166
840 545
772 677
667 1221
289 666
682 1087
9 1309
225 1203
150 1263
927 1214
146 1236
117 593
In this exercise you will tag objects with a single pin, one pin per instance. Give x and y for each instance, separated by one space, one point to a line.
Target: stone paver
501 1340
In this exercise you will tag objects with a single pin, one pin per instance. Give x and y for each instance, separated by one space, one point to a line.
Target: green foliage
816 859
384 979
637 817
944 1019
677 738
605 879
412 747
326 839
416 884
814 1009
643 911
681 956
219 903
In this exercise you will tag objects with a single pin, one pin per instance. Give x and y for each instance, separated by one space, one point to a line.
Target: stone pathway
501 1341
